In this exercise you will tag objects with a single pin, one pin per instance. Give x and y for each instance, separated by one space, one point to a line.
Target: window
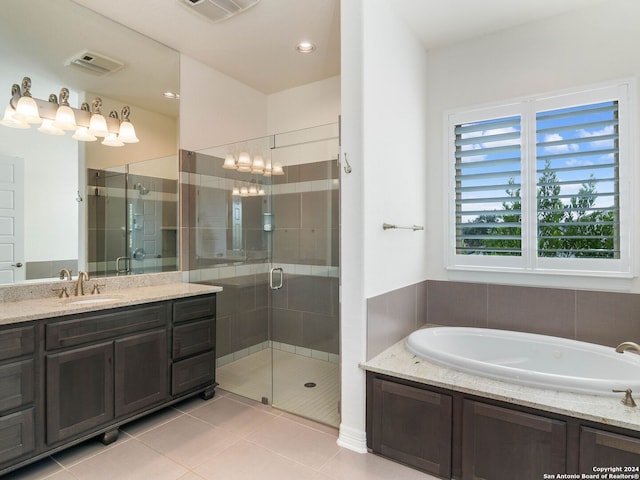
542 184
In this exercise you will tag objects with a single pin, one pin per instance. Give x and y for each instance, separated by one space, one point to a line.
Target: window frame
527 107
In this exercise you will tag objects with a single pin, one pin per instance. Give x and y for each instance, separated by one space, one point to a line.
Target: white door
12 267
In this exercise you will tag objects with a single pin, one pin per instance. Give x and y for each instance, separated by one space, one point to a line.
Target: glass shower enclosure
271 241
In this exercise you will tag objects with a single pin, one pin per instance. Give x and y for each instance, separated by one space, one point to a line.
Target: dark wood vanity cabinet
193 345
498 442
17 392
405 429
462 436
70 378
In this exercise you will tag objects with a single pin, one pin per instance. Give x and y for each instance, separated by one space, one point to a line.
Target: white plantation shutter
543 184
487 167
577 149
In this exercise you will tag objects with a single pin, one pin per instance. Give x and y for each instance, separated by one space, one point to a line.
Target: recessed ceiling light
305 47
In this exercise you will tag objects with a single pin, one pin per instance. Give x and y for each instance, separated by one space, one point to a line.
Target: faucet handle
62 292
96 288
628 399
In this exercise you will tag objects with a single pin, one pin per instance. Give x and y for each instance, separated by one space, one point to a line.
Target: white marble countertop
397 361
39 308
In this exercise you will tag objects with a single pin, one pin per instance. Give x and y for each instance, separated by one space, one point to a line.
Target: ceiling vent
218 10
94 63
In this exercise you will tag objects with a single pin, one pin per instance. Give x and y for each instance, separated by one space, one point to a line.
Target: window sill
581 281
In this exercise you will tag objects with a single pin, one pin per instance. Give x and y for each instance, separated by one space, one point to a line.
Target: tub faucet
65 273
79 283
631 346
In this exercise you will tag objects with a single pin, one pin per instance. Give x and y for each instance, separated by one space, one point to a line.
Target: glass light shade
253 191
127 133
111 140
9 119
277 169
82 134
65 118
229 162
267 169
244 162
49 128
27 110
235 192
258 164
98 125
244 192
261 192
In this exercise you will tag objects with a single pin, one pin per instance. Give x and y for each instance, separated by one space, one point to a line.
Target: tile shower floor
250 377
228 437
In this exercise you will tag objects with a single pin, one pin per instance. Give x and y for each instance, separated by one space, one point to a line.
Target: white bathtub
529 359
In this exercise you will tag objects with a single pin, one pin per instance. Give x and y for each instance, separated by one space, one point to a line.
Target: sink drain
309 384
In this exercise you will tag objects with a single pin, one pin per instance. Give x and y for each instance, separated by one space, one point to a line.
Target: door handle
17 265
271 284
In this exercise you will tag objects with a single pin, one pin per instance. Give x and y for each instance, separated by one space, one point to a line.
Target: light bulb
9 119
229 162
258 165
49 128
112 141
27 110
127 133
82 134
65 118
244 162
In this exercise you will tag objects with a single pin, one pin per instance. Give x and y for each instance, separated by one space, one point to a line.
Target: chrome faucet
631 346
79 283
65 273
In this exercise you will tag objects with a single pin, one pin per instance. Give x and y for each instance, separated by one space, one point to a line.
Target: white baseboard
352 439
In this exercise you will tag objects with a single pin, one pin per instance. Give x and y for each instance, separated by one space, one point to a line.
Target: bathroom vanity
83 366
462 426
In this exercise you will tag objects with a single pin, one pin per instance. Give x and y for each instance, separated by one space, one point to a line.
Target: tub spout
631 346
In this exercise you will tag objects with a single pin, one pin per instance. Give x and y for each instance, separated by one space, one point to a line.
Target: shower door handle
271 284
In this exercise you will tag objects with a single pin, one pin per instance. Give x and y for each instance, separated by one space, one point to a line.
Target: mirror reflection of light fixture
257 166
86 122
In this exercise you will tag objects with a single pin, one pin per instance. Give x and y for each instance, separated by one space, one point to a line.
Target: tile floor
228 437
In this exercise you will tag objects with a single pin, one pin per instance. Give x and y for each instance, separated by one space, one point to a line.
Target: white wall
215 109
384 77
310 105
592 45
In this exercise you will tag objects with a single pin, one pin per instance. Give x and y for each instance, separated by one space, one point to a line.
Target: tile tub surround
36 308
398 362
606 318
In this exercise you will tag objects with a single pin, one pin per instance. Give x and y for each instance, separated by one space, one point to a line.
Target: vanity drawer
194 337
192 372
15 342
194 308
17 384
17 435
91 328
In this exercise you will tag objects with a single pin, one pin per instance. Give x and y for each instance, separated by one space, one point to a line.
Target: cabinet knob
17 265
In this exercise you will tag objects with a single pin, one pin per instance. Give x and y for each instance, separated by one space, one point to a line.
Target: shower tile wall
304 204
606 318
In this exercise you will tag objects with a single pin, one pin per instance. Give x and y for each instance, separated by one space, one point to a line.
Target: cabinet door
141 371
412 426
79 390
17 384
605 449
17 435
503 444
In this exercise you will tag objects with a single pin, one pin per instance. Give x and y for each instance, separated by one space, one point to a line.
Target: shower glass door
271 242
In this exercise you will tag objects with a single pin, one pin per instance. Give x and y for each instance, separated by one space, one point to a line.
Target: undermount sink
87 301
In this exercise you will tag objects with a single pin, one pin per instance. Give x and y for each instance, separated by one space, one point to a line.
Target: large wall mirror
64 203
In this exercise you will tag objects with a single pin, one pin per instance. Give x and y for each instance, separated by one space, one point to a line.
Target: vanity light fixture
86 122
